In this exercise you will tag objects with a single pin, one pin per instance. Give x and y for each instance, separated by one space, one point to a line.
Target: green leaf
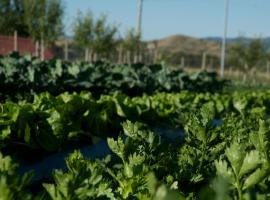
256 178
117 147
27 134
240 103
131 129
224 171
235 154
251 161
208 112
261 139
51 189
165 194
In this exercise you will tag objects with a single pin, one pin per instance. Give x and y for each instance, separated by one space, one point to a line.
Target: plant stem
239 189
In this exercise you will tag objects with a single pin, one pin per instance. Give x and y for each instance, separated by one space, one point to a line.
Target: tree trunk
86 55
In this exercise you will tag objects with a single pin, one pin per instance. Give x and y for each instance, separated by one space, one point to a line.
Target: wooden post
204 61
268 69
37 49
86 54
42 50
141 56
120 58
135 56
95 57
212 64
245 73
66 50
230 71
128 57
155 57
15 41
182 62
146 57
254 74
90 58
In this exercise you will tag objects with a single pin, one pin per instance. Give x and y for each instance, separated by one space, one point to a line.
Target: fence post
135 56
204 60
66 49
90 56
37 49
120 51
128 57
155 56
212 64
268 68
15 41
182 62
141 56
95 57
246 67
86 54
42 50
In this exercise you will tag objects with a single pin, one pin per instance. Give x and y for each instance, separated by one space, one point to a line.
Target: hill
196 46
187 45
265 41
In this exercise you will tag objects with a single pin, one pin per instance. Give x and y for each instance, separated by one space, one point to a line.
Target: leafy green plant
90 184
12 186
22 77
243 170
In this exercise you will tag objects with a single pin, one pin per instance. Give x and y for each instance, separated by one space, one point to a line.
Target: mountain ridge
197 46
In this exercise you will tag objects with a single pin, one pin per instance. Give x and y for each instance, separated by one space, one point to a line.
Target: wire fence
68 50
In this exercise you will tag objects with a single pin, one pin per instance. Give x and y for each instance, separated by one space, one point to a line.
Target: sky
162 18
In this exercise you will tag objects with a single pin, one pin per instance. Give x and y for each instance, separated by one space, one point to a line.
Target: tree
44 19
247 56
131 43
83 29
93 34
131 40
251 54
256 55
104 37
237 54
39 19
12 12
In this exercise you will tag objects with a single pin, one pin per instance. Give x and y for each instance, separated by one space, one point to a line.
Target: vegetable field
160 134
23 77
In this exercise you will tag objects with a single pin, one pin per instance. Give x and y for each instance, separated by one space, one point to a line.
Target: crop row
225 161
50 123
22 77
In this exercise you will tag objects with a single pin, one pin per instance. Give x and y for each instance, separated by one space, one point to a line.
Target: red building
24 46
